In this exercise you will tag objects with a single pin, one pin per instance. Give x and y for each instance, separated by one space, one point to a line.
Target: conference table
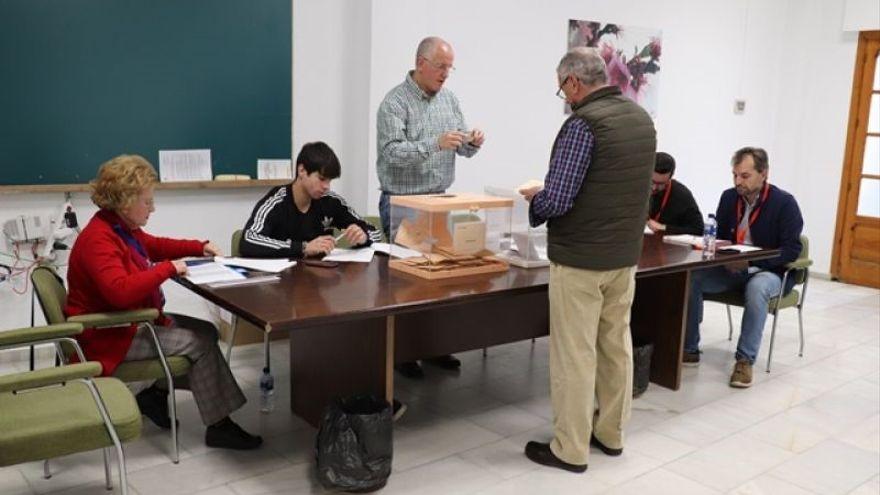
350 324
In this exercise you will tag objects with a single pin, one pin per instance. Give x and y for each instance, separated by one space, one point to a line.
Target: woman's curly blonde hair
121 180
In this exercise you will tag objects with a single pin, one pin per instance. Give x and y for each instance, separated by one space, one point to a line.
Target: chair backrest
235 247
50 292
801 275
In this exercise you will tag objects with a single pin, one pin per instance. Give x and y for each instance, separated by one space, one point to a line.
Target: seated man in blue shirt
754 213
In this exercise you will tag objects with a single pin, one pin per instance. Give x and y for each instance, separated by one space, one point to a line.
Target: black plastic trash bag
641 367
355 445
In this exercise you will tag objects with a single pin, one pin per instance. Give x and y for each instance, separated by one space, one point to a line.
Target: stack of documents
263 265
210 272
685 240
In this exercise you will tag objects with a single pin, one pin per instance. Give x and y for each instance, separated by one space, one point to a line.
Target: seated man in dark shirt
672 209
297 220
756 213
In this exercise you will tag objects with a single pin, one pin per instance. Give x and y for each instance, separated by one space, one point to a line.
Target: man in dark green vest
594 200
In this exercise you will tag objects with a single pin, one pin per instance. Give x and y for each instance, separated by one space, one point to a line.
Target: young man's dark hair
318 157
664 163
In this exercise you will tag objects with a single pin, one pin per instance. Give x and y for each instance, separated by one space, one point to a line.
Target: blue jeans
758 289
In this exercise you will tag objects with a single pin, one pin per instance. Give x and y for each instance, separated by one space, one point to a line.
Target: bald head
434 59
430 45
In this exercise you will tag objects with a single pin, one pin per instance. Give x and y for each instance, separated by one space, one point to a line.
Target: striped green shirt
409 123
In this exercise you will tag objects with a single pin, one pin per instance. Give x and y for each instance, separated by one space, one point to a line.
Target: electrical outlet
25 229
739 107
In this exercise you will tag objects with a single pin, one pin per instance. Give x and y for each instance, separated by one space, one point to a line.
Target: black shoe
447 362
228 435
690 359
541 453
410 369
398 409
153 404
605 450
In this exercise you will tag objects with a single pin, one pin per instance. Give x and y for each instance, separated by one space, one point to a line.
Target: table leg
337 360
659 314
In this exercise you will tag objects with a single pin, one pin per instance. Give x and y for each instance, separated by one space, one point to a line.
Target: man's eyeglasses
441 67
559 93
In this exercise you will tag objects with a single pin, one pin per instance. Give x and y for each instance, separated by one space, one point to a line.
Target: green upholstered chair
235 250
52 297
57 411
799 269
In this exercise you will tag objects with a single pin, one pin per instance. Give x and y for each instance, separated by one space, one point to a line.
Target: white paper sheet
648 231
274 169
395 251
210 272
363 255
684 240
742 248
184 165
263 265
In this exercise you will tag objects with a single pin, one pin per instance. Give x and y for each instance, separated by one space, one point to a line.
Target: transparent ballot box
438 236
526 246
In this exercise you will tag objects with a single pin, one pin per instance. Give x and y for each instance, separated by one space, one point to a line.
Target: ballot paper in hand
530 184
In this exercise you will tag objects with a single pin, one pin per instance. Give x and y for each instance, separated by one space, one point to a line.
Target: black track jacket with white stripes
277 229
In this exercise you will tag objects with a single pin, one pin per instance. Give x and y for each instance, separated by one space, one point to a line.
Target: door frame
847 204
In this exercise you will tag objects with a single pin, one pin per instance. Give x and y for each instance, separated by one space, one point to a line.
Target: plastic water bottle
267 392
710 231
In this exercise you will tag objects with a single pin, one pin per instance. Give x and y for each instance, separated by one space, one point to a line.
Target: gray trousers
209 379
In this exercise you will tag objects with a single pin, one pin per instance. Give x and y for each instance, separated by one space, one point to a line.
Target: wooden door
856 257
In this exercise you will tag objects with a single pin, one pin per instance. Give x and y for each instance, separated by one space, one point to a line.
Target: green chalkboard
82 81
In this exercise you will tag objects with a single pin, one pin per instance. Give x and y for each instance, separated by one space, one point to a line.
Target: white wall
789 59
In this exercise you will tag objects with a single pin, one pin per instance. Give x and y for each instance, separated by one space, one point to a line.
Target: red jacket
104 274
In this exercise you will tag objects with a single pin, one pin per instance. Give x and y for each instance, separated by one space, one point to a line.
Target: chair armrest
25 336
799 264
48 376
116 318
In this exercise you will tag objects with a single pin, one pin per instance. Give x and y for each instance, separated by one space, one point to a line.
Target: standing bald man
420 131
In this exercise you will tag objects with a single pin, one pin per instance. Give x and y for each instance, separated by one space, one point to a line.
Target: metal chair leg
772 339
801 330
108 483
172 401
234 325
46 472
729 323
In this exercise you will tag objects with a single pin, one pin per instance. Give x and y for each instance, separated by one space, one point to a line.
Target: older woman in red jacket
116 266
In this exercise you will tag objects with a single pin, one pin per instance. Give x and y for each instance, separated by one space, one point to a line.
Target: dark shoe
398 409
225 434
410 369
605 450
691 359
153 404
541 453
447 362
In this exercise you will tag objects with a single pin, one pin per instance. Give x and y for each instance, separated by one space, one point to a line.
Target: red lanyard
741 233
663 202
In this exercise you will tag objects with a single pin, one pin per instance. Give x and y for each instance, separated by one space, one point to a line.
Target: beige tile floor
812 426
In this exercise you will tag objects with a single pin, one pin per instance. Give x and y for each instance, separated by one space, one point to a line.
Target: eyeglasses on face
559 92
441 67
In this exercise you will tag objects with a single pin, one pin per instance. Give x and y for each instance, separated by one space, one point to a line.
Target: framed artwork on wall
632 55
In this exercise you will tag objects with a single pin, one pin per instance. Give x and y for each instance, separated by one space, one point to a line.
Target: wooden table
349 325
